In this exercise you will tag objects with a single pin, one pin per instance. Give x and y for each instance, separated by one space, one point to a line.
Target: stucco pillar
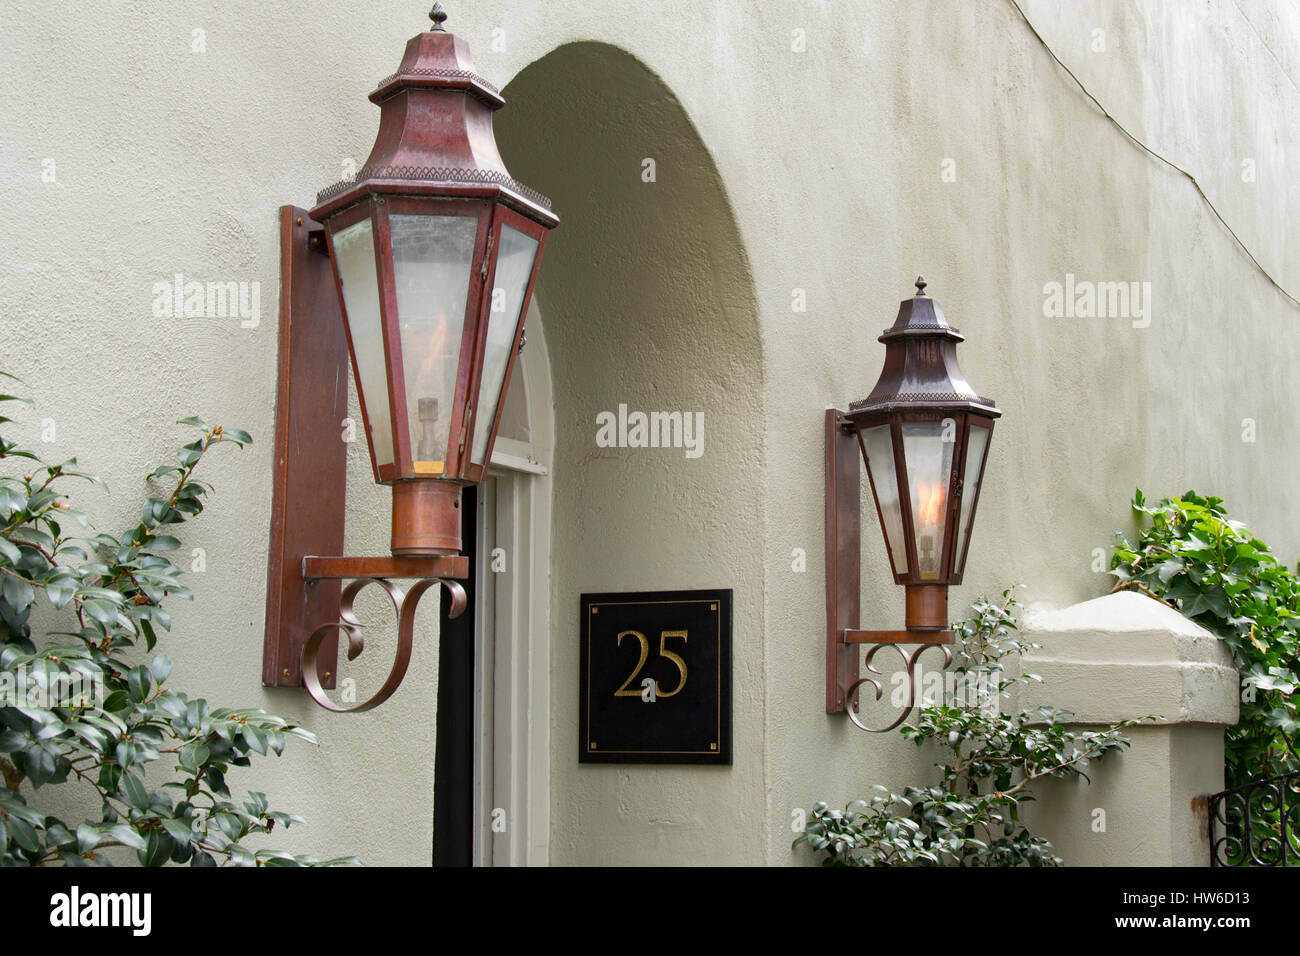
1126 656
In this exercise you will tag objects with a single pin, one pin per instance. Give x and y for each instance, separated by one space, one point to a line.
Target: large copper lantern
923 434
434 249
417 273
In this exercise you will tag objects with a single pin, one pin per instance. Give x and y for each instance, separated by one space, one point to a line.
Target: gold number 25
645 652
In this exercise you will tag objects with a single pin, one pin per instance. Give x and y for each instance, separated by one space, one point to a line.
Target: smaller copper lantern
924 436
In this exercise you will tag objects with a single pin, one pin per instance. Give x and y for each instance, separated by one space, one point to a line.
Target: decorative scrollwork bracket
852 704
366 571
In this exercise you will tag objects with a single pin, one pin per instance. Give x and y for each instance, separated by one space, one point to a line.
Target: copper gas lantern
923 434
420 269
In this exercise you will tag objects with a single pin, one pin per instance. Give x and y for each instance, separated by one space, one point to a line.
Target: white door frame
512 765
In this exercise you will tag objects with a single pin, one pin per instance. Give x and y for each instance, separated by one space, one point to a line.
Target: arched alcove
648 302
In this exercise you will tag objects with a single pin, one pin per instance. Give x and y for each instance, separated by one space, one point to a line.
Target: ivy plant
970 815
1190 554
86 703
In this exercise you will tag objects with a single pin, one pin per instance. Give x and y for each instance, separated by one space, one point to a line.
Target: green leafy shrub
1217 573
971 816
83 707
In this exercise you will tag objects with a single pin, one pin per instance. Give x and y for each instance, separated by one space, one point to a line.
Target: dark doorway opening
453 781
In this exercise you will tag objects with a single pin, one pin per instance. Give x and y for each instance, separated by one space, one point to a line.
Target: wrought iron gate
1257 824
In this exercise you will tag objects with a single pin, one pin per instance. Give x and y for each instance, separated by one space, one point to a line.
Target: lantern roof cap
921 366
920 315
435 133
437 59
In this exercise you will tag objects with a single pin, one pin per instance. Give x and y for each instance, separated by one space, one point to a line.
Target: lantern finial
437 15
920 285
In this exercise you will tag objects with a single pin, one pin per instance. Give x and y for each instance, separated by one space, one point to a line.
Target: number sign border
723 598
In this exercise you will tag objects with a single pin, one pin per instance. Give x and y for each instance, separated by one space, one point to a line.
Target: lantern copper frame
921 384
434 156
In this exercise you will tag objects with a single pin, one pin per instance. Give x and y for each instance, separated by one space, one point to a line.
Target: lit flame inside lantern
930 498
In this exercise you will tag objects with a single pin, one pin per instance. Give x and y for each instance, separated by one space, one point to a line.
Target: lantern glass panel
974 471
927 451
514 268
354 258
879 448
432 258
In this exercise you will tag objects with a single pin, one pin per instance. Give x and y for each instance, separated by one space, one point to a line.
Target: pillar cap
1125 656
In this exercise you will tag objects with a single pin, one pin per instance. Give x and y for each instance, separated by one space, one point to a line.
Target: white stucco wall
829 159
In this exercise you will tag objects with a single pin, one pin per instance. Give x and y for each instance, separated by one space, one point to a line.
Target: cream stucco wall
779 169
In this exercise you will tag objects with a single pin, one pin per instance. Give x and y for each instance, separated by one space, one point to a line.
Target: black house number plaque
656 677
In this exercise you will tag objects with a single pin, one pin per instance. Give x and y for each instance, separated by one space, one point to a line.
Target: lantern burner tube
927 607
426 518
427 447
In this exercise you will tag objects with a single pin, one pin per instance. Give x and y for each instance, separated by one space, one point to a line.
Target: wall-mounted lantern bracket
307 605
844 679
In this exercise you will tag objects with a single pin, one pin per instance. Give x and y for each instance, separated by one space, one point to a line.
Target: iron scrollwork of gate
1257 824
